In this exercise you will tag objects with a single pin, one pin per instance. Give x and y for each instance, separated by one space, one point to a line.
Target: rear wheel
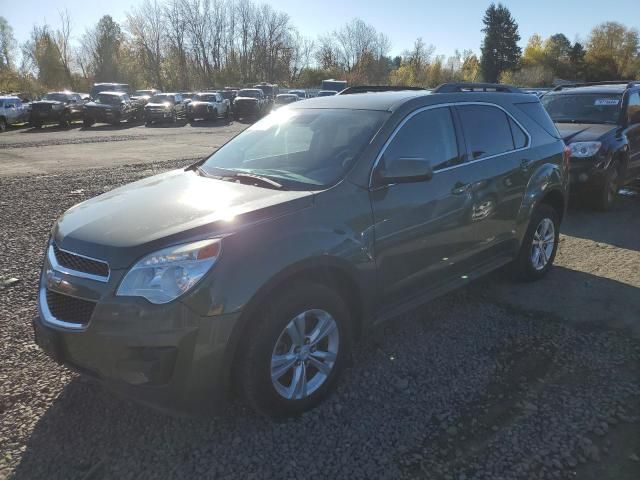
539 246
3 125
609 191
295 351
147 123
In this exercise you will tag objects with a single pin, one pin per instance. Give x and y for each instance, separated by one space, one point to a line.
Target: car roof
394 100
9 97
605 89
115 94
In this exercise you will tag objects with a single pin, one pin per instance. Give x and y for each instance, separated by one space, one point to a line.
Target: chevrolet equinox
256 269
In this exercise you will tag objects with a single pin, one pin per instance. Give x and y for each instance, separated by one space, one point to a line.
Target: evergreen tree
500 50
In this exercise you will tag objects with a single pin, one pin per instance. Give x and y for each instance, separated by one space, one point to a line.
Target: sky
448 25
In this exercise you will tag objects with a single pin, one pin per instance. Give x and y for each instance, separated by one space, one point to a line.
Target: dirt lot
497 381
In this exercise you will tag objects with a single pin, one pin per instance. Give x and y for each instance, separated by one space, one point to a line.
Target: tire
3 125
191 120
226 114
268 335
606 198
147 123
174 117
65 121
214 115
87 122
526 267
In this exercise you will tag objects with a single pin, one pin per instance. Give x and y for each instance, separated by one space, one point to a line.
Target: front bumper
584 175
105 115
45 116
165 356
246 109
157 114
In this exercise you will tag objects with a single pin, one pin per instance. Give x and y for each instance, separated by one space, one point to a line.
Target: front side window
583 107
486 130
305 149
429 135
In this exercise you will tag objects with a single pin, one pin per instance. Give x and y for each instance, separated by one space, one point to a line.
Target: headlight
584 149
166 274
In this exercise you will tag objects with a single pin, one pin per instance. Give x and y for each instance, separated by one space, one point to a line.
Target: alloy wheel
544 240
305 354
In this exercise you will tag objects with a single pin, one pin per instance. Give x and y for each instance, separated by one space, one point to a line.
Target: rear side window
538 114
429 135
519 137
486 130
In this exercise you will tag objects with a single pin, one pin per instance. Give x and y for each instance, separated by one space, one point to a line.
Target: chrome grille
80 264
69 309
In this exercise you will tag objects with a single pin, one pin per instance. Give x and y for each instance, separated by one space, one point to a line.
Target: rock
452 431
634 458
530 407
402 384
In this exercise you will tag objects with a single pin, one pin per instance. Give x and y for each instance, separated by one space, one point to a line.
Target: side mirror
404 170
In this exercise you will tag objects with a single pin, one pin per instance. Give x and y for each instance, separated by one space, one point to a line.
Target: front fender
545 179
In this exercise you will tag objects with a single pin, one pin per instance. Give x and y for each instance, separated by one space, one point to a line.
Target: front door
419 227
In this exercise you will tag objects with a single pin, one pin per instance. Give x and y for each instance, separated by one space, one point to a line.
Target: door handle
525 164
459 188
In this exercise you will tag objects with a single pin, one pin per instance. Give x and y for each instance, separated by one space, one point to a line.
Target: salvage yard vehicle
57 107
166 107
207 106
257 268
286 99
108 87
111 107
143 96
250 102
601 124
12 111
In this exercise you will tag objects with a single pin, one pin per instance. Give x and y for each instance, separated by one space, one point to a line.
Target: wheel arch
328 271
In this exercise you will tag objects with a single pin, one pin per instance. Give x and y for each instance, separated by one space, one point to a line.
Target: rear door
419 227
499 168
633 134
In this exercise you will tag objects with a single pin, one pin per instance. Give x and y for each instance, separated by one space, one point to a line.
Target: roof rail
626 83
476 87
376 88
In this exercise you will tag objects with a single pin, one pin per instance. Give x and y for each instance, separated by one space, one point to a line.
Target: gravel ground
482 384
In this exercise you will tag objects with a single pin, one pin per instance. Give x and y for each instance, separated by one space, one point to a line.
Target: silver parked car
12 111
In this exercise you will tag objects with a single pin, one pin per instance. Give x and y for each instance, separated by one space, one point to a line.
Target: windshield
58 97
162 99
141 93
108 99
300 149
583 107
249 93
204 98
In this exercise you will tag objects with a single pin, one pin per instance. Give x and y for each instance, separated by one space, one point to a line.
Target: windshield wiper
253 179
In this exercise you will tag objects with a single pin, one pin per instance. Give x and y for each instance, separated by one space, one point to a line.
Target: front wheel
3 125
539 246
607 196
87 122
295 353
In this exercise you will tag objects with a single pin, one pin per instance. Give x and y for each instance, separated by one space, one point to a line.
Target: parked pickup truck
250 102
208 106
57 107
111 107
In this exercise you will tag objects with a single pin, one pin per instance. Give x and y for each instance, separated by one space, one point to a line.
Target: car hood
153 104
583 132
47 102
99 105
124 224
200 102
253 99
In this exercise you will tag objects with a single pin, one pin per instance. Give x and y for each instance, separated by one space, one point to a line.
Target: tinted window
519 137
537 113
583 107
429 135
486 130
633 110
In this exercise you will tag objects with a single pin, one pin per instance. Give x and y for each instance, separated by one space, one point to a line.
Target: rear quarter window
486 130
536 112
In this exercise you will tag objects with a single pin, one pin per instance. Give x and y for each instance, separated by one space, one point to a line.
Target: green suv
258 268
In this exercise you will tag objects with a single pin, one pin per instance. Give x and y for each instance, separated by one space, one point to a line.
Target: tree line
192 44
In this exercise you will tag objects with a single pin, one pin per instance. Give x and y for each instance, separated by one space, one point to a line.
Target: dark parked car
260 266
166 107
250 102
111 107
57 107
107 87
601 125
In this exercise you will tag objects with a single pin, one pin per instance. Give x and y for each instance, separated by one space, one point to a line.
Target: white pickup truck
208 106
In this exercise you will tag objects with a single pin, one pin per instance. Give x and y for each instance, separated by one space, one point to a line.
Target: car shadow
51 128
222 122
619 227
105 127
90 433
